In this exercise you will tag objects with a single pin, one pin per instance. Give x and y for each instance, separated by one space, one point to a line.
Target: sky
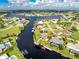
62 5
3 1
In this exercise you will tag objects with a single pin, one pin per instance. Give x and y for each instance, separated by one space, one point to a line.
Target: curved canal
25 43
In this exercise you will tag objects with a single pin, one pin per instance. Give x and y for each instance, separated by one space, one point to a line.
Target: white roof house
40 23
4 56
2 46
72 46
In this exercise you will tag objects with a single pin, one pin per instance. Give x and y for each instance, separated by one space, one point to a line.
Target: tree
59 21
1 23
73 28
60 46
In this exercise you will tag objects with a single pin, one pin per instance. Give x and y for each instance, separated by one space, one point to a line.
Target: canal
25 43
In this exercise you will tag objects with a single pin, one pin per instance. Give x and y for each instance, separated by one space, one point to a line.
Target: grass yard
37 34
75 35
10 31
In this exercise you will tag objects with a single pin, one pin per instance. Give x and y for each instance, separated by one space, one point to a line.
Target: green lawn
10 31
36 34
75 35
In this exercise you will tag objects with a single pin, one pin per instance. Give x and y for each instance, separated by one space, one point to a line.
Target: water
25 42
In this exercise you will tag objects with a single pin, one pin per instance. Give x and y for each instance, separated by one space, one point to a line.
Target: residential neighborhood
59 35
10 28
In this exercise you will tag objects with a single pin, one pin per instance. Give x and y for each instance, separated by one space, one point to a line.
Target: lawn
36 34
10 31
75 35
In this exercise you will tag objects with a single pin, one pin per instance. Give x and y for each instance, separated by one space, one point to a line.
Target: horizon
36 5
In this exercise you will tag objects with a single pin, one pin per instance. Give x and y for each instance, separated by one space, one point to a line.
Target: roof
7 44
13 57
40 22
4 56
43 35
2 46
73 46
56 40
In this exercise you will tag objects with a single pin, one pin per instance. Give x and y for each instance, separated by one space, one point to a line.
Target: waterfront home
56 41
19 24
40 25
74 48
4 56
5 45
13 57
2 46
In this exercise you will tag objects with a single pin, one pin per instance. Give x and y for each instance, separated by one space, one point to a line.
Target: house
56 41
54 20
2 46
4 56
40 23
5 45
13 57
66 32
19 24
43 35
74 48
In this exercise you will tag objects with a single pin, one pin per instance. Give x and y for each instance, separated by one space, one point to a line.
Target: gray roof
56 40
2 46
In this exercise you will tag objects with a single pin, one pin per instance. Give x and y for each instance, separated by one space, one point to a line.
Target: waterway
25 42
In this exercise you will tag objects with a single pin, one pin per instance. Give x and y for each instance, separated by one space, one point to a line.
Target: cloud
42 6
